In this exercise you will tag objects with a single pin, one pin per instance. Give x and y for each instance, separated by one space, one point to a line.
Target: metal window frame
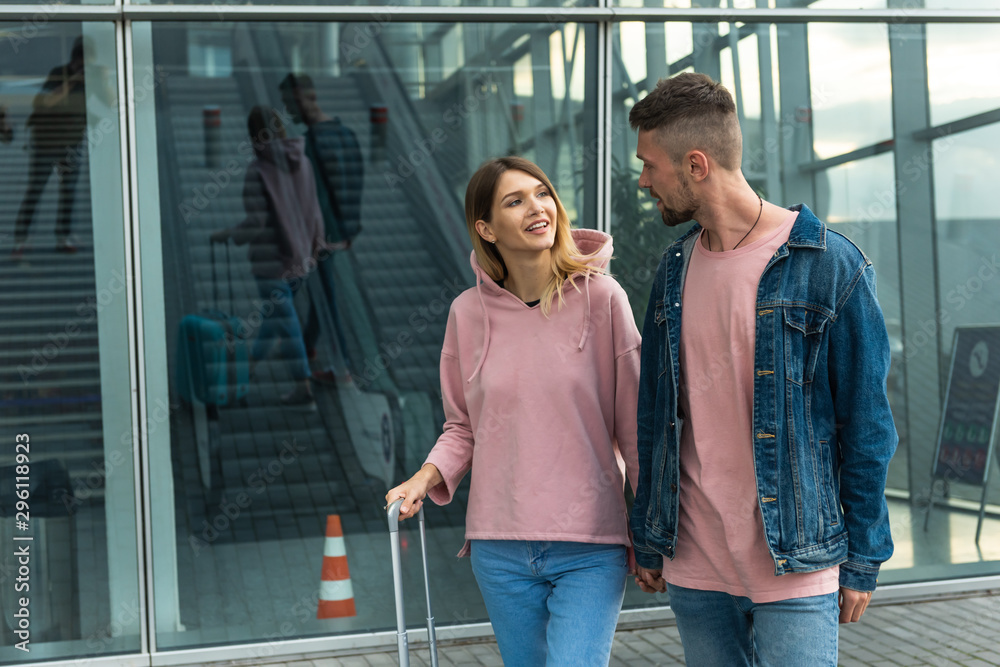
293 13
124 13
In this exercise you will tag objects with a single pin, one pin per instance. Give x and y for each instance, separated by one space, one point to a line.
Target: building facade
179 516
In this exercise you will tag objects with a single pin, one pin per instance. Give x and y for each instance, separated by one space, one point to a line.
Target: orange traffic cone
336 596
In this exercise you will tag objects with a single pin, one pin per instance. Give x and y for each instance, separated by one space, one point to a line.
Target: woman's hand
414 490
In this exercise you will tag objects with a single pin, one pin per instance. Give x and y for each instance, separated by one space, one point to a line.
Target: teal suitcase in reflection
212 358
213 365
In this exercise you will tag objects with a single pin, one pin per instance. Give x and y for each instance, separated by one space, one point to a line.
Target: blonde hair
567 260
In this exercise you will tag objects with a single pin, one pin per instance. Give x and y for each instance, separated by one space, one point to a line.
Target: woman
284 227
539 375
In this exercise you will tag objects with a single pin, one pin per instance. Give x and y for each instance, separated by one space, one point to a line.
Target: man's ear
696 165
485 232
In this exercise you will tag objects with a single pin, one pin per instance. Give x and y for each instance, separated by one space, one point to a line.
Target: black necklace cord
759 211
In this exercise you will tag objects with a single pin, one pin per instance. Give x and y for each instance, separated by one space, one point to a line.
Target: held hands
650 581
414 490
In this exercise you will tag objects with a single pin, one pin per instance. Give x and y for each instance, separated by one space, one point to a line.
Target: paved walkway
947 633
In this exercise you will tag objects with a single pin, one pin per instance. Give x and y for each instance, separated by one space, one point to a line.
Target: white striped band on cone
336 596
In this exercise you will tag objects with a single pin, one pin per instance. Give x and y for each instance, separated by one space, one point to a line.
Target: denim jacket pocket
803 334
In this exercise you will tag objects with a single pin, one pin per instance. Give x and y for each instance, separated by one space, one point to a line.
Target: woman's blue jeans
723 630
552 604
280 321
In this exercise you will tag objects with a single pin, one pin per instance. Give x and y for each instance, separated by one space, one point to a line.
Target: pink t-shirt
720 535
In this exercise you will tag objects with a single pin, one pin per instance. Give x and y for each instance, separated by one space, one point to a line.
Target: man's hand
650 581
853 604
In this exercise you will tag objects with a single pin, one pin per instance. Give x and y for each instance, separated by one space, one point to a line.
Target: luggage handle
229 279
392 510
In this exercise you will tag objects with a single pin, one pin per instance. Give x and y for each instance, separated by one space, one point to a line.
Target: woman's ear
485 232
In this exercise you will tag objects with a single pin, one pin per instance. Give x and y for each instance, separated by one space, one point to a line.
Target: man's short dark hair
296 82
692 112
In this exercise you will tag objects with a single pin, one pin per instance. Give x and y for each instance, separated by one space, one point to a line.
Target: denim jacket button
677 304
673 487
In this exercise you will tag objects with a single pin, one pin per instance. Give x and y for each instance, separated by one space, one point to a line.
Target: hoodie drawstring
486 327
586 313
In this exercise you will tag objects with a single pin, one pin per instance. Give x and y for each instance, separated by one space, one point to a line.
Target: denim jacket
822 430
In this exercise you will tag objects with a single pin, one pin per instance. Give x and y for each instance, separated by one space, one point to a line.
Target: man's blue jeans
722 630
552 604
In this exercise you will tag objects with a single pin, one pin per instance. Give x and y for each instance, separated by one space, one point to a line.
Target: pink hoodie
543 410
284 224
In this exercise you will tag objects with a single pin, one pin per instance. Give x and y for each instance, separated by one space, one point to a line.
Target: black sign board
970 411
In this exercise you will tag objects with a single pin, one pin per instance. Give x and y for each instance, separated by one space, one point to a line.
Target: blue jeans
552 604
281 322
722 630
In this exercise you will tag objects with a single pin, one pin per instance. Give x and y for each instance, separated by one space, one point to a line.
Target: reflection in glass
963 71
855 84
64 381
858 198
304 371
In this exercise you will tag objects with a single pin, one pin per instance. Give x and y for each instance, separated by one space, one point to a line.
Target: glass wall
385 123
859 141
276 401
69 580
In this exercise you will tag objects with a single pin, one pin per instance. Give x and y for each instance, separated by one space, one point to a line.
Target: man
336 155
6 130
764 425
338 164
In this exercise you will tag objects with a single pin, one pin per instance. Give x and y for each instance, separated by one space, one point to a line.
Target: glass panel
851 94
858 199
393 122
824 5
958 88
65 388
851 107
413 3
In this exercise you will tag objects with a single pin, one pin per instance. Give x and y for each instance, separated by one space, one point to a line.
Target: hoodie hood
589 241
285 154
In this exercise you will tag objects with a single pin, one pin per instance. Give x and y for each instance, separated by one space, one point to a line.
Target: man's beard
673 217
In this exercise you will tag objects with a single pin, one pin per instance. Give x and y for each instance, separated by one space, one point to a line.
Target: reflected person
338 166
6 129
539 374
284 230
764 426
57 123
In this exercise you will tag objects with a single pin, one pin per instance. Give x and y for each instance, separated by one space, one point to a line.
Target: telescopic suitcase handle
397 580
229 279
